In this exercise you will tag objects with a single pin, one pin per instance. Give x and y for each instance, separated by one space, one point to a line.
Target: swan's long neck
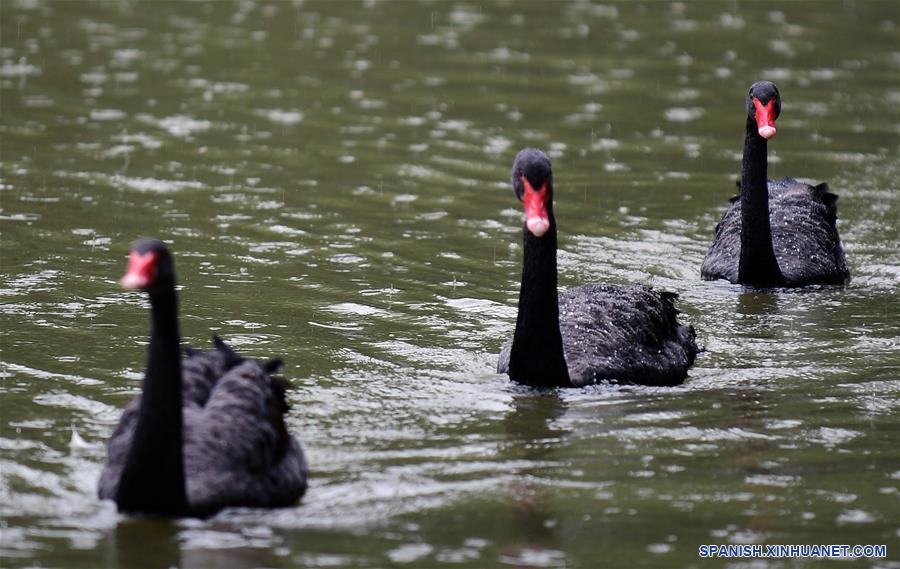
757 265
153 480
537 356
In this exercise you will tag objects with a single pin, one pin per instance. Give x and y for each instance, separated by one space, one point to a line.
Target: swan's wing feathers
280 387
200 373
273 365
238 451
201 370
669 298
117 451
784 182
628 334
821 188
721 260
829 199
248 402
231 358
804 234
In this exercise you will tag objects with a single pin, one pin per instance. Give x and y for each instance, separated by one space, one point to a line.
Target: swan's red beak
765 117
536 218
141 270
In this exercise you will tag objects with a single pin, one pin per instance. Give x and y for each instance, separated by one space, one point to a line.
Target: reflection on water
333 178
533 434
145 543
531 425
757 303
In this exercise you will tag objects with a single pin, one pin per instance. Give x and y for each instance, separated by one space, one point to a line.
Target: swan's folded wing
804 236
201 370
804 233
627 334
237 449
117 451
721 260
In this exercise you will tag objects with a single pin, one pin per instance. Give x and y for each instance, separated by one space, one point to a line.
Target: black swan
595 332
208 431
777 233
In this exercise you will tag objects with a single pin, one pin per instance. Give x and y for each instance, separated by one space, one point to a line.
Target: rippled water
333 180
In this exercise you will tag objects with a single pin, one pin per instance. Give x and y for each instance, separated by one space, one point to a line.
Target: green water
333 179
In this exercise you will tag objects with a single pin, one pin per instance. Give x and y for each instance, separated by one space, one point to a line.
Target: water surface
333 178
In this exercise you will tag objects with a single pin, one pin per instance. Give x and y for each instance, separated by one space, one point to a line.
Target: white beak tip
132 282
767 132
537 225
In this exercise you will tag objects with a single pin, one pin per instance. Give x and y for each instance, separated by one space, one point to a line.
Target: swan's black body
776 232
596 332
207 432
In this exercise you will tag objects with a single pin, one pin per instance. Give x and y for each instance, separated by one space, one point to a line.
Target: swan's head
150 266
532 180
764 106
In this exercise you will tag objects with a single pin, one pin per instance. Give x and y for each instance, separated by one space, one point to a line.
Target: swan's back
237 451
721 262
804 233
626 334
804 236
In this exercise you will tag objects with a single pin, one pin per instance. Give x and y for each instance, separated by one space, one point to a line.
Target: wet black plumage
804 236
591 333
209 437
776 232
621 333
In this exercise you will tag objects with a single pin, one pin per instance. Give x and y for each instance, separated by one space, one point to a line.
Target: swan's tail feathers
829 199
669 299
273 365
280 387
232 358
220 344
690 342
277 406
